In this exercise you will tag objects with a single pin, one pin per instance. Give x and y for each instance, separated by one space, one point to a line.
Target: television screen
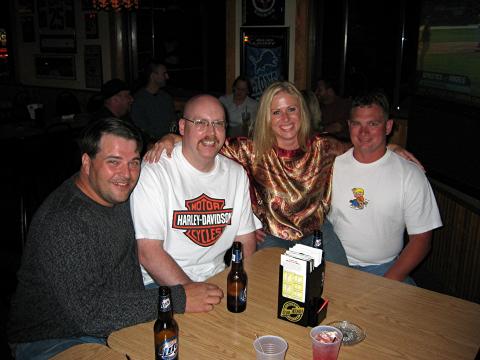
448 59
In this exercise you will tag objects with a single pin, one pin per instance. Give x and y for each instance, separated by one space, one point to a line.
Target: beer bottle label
236 256
243 296
317 239
168 349
165 304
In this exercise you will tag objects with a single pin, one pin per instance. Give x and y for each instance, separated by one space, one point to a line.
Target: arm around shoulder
405 154
167 143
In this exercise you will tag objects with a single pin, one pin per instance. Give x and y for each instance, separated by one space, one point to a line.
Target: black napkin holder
303 313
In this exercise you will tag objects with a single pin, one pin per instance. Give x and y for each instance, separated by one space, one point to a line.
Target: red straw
323 305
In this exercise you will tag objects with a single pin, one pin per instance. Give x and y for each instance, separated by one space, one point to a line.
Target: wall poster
56 22
93 66
264 56
91 25
263 12
28 28
25 7
55 67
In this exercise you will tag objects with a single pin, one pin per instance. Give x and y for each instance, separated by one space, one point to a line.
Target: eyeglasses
203 124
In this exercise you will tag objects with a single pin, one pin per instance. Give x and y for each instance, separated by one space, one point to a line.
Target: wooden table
89 352
401 321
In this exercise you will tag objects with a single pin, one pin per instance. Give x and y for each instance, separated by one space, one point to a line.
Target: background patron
153 110
241 109
335 109
117 101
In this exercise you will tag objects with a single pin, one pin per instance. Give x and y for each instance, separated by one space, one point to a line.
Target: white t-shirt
234 112
196 214
373 203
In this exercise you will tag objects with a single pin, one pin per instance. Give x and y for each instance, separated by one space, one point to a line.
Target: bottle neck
237 266
237 258
165 308
317 239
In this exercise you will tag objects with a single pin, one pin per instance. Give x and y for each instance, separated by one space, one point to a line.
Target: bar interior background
52 46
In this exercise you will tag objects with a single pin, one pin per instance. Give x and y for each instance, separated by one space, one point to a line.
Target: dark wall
443 136
374 48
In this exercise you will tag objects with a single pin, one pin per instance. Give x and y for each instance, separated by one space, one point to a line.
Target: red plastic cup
326 341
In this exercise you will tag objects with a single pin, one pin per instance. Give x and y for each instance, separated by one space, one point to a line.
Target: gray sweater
80 273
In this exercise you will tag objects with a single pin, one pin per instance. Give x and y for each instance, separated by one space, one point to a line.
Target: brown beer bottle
237 281
165 329
318 243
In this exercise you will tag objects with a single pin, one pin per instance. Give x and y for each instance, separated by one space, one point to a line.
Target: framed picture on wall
55 67
56 23
25 7
264 56
56 16
263 12
91 25
28 29
58 43
93 66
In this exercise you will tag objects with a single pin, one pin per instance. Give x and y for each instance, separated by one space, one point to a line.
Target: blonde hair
263 136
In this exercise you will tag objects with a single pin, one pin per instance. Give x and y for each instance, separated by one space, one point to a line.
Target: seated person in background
153 110
314 109
80 277
67 105
376 194
335 110
241 109
188 209
117 101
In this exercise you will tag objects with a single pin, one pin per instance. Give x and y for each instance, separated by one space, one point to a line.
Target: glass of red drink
326 341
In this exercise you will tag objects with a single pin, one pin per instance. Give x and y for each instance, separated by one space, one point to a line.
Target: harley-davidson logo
205 220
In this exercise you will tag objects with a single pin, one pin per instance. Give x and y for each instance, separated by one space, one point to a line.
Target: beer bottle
318 243
317 239
165 329
237 281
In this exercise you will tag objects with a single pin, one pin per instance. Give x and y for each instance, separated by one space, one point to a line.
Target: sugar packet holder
299 290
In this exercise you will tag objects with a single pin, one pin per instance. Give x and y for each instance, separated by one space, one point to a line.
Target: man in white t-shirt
241 109
376 194
189 208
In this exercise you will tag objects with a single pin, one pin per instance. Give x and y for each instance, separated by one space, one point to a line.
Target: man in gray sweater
80 277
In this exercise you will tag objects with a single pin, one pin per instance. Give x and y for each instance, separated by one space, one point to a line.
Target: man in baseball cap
117 100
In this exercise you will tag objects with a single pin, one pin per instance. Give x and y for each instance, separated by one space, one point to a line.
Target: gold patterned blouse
290 189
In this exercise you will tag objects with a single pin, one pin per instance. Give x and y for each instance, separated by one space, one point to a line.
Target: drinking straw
323 305
259 342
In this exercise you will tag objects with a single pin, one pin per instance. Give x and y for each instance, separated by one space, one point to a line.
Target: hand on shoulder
167 143
405 154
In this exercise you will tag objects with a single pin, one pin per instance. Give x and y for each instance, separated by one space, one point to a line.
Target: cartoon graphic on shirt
204 221
359 202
